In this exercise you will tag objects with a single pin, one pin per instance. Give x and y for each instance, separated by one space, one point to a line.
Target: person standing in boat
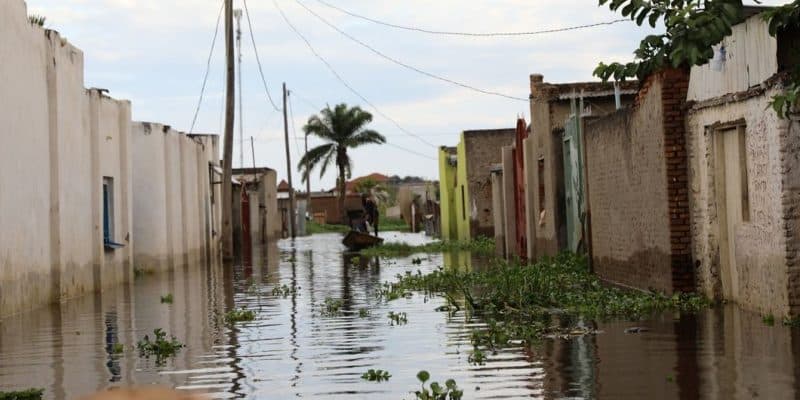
370 213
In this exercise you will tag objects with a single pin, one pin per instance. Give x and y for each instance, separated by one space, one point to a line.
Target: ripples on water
293 350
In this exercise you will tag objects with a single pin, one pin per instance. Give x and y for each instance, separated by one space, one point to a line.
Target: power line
408 66
472 34
208 68
258 59
342 80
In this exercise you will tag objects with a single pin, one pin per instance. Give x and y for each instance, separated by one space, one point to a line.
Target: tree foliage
692 28
341 128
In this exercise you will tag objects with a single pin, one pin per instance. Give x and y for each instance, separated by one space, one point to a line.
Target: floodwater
295 350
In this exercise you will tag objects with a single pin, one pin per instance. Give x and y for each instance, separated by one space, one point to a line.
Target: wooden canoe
356 241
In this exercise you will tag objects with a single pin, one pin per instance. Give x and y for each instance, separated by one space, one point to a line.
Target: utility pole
227 157
292 217
238 14
308 183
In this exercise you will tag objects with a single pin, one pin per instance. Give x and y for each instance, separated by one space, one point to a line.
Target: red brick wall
675 86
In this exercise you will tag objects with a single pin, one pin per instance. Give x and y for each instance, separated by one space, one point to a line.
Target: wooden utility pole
308 183
292 217
227 157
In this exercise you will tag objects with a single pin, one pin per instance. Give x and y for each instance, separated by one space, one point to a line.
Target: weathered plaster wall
761 244
482 150
627 181
172 197
499 213
58 143
509 209
25 216
447 192
531 191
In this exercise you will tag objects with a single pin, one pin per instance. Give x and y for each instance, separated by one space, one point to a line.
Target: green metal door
573 178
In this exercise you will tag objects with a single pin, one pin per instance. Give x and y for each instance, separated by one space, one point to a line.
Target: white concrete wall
25 235
172 197
57 143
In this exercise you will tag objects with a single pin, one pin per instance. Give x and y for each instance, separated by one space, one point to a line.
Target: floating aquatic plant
374 375
161 347
240 315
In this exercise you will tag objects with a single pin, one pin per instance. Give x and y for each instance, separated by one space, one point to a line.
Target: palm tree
341 128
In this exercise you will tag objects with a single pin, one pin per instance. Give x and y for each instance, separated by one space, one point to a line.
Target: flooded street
297 349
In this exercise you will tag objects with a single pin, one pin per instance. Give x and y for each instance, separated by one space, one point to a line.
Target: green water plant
167 299
363 313
161 347
332 307
435 391
791 321
28 394
117 348
768 319
240 315
397 318
283 291
376 375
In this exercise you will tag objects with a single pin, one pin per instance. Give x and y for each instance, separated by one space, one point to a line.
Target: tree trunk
342 195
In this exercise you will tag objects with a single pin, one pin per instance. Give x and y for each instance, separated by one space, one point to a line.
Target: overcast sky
154 52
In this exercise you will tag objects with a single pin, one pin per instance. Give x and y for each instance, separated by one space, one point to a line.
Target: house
552 160
743 171
87 195
258 220
465 183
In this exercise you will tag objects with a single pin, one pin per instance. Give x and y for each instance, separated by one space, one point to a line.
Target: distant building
465 183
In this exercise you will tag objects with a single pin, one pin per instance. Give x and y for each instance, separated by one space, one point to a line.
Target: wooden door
732 202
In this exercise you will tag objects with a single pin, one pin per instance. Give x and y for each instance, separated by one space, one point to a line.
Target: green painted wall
447 191
463 208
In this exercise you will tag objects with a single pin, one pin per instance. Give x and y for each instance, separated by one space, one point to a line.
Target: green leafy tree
342 128
692 28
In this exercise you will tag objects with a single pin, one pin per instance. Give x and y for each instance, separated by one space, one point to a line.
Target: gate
573 179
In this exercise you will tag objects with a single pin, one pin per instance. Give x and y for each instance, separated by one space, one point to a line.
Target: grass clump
240 315
525 303
28 394
363 313
393 225
768 319
479 246
283 291
313 228
376 375
435 391
162 348
167 299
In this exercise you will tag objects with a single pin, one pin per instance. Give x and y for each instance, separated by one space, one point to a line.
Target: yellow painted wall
447 191
462 203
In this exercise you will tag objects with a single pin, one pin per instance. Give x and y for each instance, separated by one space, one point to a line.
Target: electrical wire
208 68
408 66
471 34
258 59
342 80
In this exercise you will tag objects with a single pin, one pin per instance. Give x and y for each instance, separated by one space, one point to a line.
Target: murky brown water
293 351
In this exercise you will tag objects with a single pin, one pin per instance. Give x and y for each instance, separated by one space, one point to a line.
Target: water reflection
293 349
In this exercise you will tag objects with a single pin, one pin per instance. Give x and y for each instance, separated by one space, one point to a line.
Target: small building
260 219
465 186
744 173
553 160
